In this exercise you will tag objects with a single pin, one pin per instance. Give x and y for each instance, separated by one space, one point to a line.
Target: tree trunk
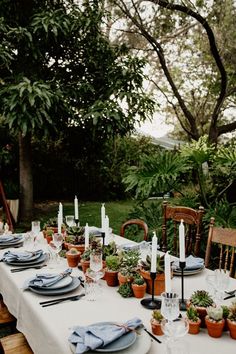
26 178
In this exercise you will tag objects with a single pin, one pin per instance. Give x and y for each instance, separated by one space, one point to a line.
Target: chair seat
5 316
15 344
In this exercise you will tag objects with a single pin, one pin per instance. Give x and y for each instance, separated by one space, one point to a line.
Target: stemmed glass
56 245
70 220
94 273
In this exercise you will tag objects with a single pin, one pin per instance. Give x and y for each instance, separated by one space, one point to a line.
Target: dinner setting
83 311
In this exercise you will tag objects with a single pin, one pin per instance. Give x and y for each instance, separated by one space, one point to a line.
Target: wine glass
35 227
178 329
70 220
221 283
94 273
56 245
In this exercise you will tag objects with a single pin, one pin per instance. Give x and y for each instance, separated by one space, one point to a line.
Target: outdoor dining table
47 328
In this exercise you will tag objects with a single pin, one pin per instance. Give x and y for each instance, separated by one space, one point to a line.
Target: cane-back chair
140 223
221 248
192 219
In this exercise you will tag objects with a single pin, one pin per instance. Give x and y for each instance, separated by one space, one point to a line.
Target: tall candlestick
106 230
76 208
61 212
59 223
103 215
154 253
181 242
86 235
167 273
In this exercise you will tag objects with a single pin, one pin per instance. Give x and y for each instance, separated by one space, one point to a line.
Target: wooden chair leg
6 318
15 344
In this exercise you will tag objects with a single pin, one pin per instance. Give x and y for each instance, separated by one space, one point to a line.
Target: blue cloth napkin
6 238
12 256
97 335
191 263
46 280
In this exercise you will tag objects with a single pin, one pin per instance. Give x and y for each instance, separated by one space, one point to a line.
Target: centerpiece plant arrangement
215 321
193 320
159 283
112 269
125 290
128 265
139 286
231 320
201 299
156 322
75 238
94 246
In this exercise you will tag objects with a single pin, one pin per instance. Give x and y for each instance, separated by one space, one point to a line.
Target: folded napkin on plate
6 238
191 263
97 335
11 256
46 280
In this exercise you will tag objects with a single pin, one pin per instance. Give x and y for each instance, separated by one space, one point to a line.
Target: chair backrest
6 208
140 223
225 239
193 223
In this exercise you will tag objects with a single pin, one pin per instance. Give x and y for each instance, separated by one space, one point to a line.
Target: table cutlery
81 281
56 301
229 297
152 336
232 292
20 269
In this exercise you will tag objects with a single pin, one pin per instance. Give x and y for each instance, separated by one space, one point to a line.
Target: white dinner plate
60 284
14 242
28 263
75 283
188 272
141 345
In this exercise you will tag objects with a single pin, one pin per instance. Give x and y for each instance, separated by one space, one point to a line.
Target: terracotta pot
139 290
124 279
201 314
156 327
159 283
232 328
79 248
85 265
214 329
194 327
72 259
111 277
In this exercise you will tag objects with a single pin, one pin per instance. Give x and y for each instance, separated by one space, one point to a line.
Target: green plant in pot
111 270
110 249
215 321
201 299
73 257
75 238
139 286
125 290
129 265
193 320
156 322
231 320
159 283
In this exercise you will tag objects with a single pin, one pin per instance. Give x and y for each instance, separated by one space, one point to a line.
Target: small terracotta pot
194 327
124 279
85 265
214 329
72 259
232 328
111 277
139 290
79 248
201 314
159 282
156 327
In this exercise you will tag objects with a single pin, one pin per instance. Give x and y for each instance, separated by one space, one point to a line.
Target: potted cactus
215 321
156 322
159 283
231 320
73 257
139 286
112 269
201 299
193 320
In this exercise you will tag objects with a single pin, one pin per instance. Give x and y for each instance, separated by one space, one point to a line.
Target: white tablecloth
47 329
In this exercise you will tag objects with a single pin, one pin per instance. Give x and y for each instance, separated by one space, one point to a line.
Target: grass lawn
89 212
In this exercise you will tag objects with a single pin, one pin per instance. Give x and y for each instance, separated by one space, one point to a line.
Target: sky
157 128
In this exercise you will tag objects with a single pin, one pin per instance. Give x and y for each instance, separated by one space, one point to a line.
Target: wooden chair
172 215
140 223
225 240
15 344
6 318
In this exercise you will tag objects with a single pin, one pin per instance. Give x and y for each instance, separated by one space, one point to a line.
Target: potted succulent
75 238
231 320
125 290
111 270
156 322
51 224
95 246
215 321
139 286
128 266
225 316
193 320
48 235
159 283
201 299
73 257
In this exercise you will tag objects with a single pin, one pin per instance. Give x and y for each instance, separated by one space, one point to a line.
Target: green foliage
125 290
226 311
129 262
113 262
138 279
232 312
156 315
215 313
201 298
192 314
146 265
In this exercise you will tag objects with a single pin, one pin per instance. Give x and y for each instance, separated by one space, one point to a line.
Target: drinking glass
56 245
170 306
175 333
221 283
70 220
35 227
93 274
